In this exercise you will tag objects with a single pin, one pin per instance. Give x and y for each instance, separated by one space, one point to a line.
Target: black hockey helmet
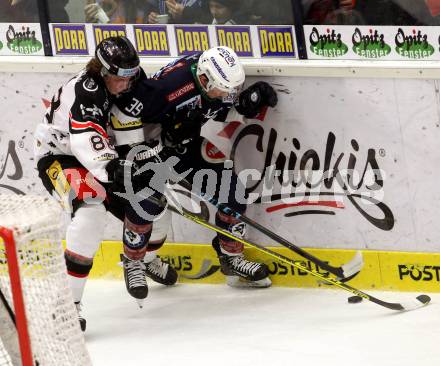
118 57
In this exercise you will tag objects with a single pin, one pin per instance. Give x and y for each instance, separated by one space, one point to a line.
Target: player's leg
82 196
238 270
230 252
83 237
138 218
156 269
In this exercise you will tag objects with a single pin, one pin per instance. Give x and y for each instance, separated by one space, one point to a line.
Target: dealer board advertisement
20 39
177 40
339 163
369 42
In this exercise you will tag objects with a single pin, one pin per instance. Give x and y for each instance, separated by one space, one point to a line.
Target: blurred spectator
5 11
316 11
329 12
115 11
224 11
57 11
270 12
181 11
19 11
374 12
433 7
387 12
344 17
426 12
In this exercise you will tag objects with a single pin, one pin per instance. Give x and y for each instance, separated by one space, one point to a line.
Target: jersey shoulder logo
90 85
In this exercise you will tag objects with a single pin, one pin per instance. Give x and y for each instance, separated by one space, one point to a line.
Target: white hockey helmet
222 68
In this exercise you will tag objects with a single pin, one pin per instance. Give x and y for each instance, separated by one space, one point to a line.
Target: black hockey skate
82 321
135 281
241 272
159 271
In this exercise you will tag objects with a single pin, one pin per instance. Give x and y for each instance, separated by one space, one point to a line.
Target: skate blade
239 282
140 303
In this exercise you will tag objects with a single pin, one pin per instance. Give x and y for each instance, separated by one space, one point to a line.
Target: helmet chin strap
202 89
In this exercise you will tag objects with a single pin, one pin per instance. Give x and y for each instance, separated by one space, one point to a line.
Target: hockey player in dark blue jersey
180 98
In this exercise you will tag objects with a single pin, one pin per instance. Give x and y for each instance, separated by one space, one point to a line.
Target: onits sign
413 43
22 39
370 43
326 42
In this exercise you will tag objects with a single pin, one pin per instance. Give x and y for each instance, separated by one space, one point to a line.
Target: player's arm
89 139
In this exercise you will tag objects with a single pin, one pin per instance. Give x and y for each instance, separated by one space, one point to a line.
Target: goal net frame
18 315
39 323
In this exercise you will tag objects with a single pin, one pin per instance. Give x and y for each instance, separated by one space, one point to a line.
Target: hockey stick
7 307
344 273
11 315
416 303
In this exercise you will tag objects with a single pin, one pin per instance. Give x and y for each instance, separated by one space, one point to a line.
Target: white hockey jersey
76 124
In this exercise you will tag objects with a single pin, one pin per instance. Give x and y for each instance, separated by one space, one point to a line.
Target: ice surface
217 325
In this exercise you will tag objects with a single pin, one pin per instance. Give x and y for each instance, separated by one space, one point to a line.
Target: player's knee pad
236 228
78 269
135 238
85 231
160 231
77 265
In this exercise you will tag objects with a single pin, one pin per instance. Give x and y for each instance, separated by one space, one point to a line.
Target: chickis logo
23 41
327 45
413 46
1 45
370 45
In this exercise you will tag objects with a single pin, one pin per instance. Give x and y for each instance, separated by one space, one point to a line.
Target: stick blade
418 302
353 267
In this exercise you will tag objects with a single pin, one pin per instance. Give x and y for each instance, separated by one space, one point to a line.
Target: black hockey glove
118 170
185 126
254 98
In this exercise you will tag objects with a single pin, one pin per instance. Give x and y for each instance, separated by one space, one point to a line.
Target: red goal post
38 319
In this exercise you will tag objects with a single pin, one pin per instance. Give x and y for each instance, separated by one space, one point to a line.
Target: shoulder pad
89 84
88 87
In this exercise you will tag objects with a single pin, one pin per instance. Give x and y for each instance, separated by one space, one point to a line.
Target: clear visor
231 94
125 73
128 73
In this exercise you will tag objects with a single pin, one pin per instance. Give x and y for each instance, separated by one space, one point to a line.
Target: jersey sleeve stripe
82 126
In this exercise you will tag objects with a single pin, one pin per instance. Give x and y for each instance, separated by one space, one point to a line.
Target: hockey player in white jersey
80 167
